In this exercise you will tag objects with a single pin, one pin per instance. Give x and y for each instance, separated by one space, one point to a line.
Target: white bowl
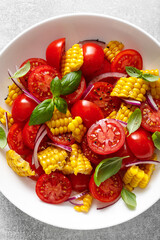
33 43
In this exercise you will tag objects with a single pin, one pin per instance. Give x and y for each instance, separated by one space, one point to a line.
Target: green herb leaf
61 104
156 139
129 198
3 138
149 77
22 71
107 168
55 87
70 82
42 113
134 121
133 72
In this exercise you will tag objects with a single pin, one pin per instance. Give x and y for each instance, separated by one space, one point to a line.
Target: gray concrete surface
18 15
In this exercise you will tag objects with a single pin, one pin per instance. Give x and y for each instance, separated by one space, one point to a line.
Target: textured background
18 15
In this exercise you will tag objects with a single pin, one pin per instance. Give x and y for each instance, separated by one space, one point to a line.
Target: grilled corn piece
87 202
3 118
77 128
13 93
112 49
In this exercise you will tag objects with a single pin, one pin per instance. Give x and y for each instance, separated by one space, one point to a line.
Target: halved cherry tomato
75 96
34 62
22 108
64 139
39 81
128 57
106 136
54 52
54 188
79 182
141 144
93 58
15 139
100 95
88 111
150 117
29 134
109 191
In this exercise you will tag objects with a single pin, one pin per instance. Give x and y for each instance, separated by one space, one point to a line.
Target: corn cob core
77 128
18 165
132 87
52 158
3 118
112 49
87 202
13 93
72 60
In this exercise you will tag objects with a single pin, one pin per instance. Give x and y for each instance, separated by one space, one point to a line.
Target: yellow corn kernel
72 60
130 173
137 178
52 158
125 112
13 92
18 165
77 128
112 49
129 187
3 118
87 202
143 183
152 71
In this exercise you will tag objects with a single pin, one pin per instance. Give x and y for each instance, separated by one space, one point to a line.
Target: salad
84 123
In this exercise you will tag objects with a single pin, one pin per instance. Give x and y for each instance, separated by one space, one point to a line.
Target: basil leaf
22 71
129 198
55 87
149 77
107 168
42 113
70 82
61 104
133 72
134 121
3 138
156 139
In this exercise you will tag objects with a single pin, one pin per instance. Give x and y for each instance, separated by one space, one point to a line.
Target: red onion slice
67 148
107 75
132 102
6 117
97 41
77 196
151 102
40 130
142 162
76 202
124 124
87 91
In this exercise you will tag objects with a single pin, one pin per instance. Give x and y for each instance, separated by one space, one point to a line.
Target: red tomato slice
54 188
15 139
39 81
109 191
64 139
79 182
34 62
100 95
75 96
150 117
128 57
54 53
106 136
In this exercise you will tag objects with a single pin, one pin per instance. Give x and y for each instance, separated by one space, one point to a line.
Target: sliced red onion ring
87 91
67 148
34 156
77 196
151 102
76 202
142 162
107 75
97 41
28 94
132 102
6 117
40 130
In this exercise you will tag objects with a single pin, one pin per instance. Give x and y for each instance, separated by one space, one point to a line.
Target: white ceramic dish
33 43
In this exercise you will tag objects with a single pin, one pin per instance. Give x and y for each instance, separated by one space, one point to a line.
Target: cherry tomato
88 111
109 191
34 62
75 96
150 117
106 136
100 95
54 188
22 108
93 58
29 134
15 139
141 144
39 81
79 182
128 57
64 139
54 53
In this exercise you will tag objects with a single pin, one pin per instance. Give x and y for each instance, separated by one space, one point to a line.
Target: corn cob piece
18 165
77 128
125 112
3 118
132 87
72 60
13 93
87 202
112 49
152 71
52 158
130 173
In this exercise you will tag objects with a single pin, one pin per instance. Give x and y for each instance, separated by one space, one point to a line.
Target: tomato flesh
64 139
79 182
